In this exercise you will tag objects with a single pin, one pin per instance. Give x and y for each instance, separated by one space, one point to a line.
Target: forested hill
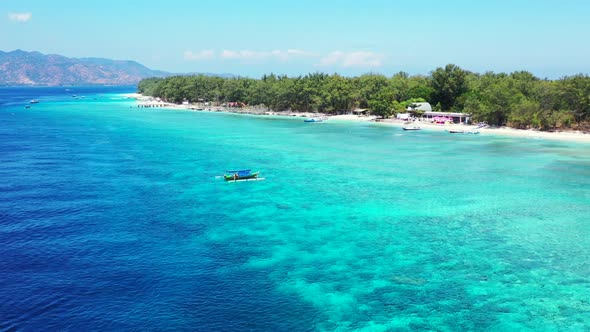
34 68
519 99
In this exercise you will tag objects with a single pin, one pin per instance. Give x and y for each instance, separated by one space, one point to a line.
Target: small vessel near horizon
34 101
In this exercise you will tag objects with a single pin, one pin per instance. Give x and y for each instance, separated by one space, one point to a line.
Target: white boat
463 131
34 101
314 120
412 128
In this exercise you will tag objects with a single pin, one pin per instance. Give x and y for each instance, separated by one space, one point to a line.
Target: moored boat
34 101
412 128
313 120
463 131
242 174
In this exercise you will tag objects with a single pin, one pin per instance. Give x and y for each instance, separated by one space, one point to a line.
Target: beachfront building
443 117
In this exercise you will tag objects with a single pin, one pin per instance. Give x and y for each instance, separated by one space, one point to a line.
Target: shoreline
571 136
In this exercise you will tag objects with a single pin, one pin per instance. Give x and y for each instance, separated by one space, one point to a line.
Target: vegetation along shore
518 100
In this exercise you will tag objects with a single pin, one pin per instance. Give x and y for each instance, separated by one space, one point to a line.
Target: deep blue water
111 218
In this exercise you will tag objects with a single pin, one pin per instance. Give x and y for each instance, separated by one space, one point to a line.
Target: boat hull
463 132
233 177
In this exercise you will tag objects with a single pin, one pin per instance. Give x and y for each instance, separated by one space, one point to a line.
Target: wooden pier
153 104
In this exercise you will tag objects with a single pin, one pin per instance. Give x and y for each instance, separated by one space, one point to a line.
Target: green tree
367 87
518 99
448 84
381 104
575 95
338 93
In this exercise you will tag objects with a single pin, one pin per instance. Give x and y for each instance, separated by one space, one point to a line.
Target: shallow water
111 218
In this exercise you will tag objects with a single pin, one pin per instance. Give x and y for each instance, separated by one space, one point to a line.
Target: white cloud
291 54
230 54
248 55
245 55
253 55
20 17
353 59
360 59
298 52
201 55
331 59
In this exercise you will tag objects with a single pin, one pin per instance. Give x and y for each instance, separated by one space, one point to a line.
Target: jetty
150 104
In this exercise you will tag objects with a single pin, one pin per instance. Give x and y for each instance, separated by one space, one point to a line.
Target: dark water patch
113 220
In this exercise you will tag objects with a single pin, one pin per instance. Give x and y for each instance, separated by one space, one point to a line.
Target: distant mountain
34 68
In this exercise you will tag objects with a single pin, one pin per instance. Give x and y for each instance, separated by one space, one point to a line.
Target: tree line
518 99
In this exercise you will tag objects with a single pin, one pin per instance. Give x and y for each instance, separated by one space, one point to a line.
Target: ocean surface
114 218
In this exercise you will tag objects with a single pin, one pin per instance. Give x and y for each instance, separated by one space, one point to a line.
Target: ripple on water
113 219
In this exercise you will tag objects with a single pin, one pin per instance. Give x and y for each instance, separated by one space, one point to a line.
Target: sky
250 38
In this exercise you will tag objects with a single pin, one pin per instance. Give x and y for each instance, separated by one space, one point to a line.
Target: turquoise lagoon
112 217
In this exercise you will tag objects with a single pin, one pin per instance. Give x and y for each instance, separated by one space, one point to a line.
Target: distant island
34 68
519 99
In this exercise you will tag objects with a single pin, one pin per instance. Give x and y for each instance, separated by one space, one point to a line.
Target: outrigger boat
240 175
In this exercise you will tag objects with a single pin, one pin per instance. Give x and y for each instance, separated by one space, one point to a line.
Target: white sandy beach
132 95
574 136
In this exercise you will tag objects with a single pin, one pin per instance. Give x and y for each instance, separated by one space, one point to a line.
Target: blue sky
546 37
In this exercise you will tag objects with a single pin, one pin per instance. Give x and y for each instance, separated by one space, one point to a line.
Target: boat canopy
241 172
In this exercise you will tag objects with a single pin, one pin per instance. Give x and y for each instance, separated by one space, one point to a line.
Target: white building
456 117
423 106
